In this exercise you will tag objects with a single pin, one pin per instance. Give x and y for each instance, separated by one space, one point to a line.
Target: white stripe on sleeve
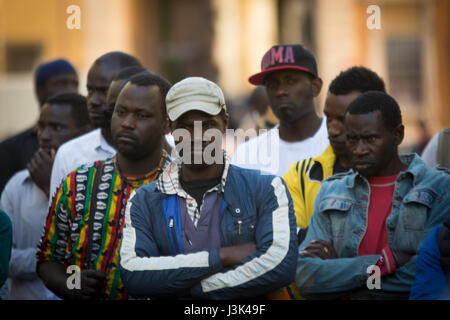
267 261
131 262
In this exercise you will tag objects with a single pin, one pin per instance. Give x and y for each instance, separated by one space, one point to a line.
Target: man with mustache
207 229
117 84
97 144
304 177
289 74
368 224
63 117
86 217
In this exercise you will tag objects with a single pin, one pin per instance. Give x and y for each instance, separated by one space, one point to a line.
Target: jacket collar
169 182
416 170
326 158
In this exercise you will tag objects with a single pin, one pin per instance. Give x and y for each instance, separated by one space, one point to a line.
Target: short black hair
119 58
148 79
126 73
356 79
116 61
77 103
372 101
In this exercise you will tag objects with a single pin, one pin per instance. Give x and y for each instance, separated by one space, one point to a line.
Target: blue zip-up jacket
421 201
431 282
151 267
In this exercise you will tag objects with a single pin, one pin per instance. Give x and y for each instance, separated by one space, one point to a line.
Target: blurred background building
224 40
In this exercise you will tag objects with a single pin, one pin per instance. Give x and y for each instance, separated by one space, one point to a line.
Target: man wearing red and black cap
289 73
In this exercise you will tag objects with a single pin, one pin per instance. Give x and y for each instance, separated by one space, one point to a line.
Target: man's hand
54 276
229 256
319 249
92 284
40 168
401 258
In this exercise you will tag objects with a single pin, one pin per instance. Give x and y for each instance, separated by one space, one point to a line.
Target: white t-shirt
268 153
429 154
84 149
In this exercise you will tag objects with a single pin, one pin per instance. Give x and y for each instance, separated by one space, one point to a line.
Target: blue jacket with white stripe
151 267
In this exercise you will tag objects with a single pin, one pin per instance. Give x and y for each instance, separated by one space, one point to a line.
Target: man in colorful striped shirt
83 231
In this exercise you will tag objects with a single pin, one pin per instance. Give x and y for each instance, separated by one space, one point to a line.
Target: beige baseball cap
194 93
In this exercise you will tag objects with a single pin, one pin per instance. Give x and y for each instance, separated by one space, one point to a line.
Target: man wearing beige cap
207 229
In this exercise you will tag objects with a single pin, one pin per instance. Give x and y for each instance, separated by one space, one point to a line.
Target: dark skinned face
59 83
291 94
373 147
187 122
111 98
334 110
137 123
56 125
98 81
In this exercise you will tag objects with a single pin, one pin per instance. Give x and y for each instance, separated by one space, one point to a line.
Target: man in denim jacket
369 223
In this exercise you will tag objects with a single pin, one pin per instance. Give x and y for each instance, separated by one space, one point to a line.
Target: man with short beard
369 223
205 228
304 177
85 221
97 144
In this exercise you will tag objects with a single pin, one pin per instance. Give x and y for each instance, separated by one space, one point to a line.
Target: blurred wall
224 40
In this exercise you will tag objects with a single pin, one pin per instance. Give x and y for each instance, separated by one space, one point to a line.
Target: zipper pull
239 227
171 223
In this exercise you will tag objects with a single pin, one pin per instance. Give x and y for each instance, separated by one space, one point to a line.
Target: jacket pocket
415 209
241 227
337 210
413 218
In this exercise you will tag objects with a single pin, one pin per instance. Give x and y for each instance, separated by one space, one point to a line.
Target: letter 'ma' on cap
285 57
194 93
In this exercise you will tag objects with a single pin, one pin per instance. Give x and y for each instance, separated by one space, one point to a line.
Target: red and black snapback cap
285 56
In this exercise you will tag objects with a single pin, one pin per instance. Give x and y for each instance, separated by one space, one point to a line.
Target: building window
22 57
405 69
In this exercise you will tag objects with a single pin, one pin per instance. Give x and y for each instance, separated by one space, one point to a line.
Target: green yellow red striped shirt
66 233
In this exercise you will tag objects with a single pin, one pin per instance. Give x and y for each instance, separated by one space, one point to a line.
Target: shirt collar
101 143
169 181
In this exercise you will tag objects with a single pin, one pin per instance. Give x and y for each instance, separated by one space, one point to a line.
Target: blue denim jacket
421 201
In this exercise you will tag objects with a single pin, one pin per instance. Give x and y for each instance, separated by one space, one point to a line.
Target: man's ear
166 126
226 120
40 93
399 134
171 125
316 86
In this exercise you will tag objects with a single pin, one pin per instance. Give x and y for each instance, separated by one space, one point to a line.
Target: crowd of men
128 194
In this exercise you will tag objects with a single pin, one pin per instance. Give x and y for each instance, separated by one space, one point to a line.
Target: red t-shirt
380 206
